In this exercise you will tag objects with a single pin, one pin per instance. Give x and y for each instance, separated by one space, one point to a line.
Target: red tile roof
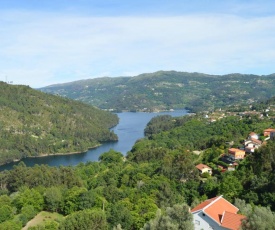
269 130
256 141
235 150
216 209
221 211
204 204
202 166
252 133
231 220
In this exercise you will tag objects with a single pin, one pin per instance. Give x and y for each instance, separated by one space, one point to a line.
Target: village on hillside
217 212
253 141
234 155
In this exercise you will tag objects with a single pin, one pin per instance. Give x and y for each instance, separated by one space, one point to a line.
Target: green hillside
155 186
33 123
169 90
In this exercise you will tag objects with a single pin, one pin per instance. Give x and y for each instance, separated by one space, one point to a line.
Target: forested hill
154 187
34 123
169 90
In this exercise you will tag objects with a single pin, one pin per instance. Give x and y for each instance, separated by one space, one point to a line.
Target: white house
204 168
251 145
216 213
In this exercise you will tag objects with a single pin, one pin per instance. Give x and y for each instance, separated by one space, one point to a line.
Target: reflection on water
129 130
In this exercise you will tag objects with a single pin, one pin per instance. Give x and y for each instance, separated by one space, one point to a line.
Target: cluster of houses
234 154
217 212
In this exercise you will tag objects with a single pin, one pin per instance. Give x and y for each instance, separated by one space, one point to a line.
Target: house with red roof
204 168
268 131
236 154
216 213
252 144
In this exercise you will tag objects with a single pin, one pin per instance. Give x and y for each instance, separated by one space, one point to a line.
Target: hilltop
35 123
166 90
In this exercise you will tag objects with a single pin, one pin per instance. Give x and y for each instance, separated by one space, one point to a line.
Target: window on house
197 222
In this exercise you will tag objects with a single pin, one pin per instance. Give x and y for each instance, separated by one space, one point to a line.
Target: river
129 130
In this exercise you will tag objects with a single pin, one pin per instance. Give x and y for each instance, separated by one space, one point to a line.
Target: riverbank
64 154
130 128
51 154
146 110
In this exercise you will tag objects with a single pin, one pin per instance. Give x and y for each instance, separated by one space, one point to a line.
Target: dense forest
166 90
34 123
153 186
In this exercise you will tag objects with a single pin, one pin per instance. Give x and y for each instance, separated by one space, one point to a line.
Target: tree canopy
34 123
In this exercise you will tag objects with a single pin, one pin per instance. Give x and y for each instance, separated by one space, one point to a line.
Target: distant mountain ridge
165 90
33 123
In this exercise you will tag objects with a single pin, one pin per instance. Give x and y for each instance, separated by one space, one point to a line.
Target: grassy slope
42 217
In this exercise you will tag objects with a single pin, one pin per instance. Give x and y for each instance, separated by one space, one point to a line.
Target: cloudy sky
54 41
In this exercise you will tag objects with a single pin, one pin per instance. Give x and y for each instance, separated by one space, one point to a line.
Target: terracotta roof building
267 132
236 154
216 213
204 168
256 141
252 144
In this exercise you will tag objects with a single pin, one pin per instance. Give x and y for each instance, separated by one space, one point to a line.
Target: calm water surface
129 130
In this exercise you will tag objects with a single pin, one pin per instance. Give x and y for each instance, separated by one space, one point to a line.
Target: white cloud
39 49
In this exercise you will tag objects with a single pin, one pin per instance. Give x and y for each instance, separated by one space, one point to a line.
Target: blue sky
55 41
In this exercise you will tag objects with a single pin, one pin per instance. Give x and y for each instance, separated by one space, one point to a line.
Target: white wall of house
251 145
204 222
246 142
255 136
249 150
208 170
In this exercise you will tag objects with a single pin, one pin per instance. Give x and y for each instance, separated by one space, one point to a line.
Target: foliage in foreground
145 190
